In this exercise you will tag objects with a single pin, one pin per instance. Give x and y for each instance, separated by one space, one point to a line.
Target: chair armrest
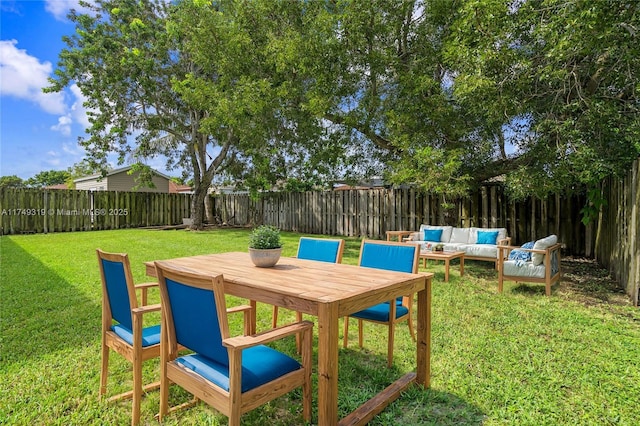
144 287
146 309
504 241
246 309
240 308
241 342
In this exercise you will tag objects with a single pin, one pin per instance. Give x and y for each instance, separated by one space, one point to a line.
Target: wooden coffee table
399 235
447 256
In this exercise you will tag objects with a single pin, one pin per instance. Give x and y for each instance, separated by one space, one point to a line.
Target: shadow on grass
41 311
363 374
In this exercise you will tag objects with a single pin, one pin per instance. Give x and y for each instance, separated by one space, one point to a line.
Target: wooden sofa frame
550 277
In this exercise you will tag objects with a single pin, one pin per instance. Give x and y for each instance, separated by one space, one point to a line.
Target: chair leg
360 333
345 336
274 317
411 330
547 286
390 342
104 369
307 361
137 388
298 339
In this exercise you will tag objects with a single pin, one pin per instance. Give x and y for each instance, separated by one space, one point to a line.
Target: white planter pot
265 258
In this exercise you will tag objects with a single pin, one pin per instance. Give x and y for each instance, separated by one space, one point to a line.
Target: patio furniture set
229 372
534 262
235 374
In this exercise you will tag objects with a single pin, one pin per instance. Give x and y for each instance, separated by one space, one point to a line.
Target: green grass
516 358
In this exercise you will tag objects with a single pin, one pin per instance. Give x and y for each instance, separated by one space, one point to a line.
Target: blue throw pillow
523 256
487 237
432 235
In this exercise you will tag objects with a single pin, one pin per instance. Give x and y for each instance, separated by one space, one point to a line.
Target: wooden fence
41 211
617 244
613 239
370 213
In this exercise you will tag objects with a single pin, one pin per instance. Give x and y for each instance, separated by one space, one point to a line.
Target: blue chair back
319 249
195 320
392 257
117 292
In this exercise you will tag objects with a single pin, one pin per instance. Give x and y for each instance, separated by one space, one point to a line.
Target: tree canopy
48 178
444 95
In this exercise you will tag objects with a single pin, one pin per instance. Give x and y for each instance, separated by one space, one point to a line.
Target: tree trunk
197 206
208 209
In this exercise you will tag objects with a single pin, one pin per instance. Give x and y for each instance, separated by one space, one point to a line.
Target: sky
38 131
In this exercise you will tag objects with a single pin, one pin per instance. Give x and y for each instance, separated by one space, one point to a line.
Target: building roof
175 188
115 172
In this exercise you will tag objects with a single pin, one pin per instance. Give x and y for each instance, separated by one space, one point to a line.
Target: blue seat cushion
260 365
380 312
150 335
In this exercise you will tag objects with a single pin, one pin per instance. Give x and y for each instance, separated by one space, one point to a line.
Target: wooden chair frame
549 278
136 353
234 402
274 317
407 301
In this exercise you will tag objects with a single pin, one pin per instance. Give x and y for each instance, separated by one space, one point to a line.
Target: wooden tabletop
301 284
442 254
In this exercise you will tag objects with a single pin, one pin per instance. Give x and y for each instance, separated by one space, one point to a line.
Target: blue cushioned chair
232 374
320 249
393 257
122 325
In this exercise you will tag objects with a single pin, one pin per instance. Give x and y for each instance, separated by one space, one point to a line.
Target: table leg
446 270
328 364
462 266
423 335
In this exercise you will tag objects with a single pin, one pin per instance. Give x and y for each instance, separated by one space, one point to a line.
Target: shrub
265 237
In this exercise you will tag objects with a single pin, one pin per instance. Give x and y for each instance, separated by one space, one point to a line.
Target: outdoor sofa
476 243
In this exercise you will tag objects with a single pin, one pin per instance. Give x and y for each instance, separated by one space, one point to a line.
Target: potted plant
265 246
438 247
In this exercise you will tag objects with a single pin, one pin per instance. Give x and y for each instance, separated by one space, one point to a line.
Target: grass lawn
516 358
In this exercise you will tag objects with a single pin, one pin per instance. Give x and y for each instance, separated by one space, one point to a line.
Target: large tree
448 94
556 79
131 66
123 60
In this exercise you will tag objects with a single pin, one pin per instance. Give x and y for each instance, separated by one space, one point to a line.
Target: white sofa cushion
481 250
446 232
454 246
544 243
473 237
526 270
460 235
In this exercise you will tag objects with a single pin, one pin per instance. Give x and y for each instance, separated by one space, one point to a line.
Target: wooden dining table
327 291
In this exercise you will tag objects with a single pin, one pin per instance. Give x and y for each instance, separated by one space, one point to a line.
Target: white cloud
23 76
60 8
78 111
73 149
53 159
63 126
